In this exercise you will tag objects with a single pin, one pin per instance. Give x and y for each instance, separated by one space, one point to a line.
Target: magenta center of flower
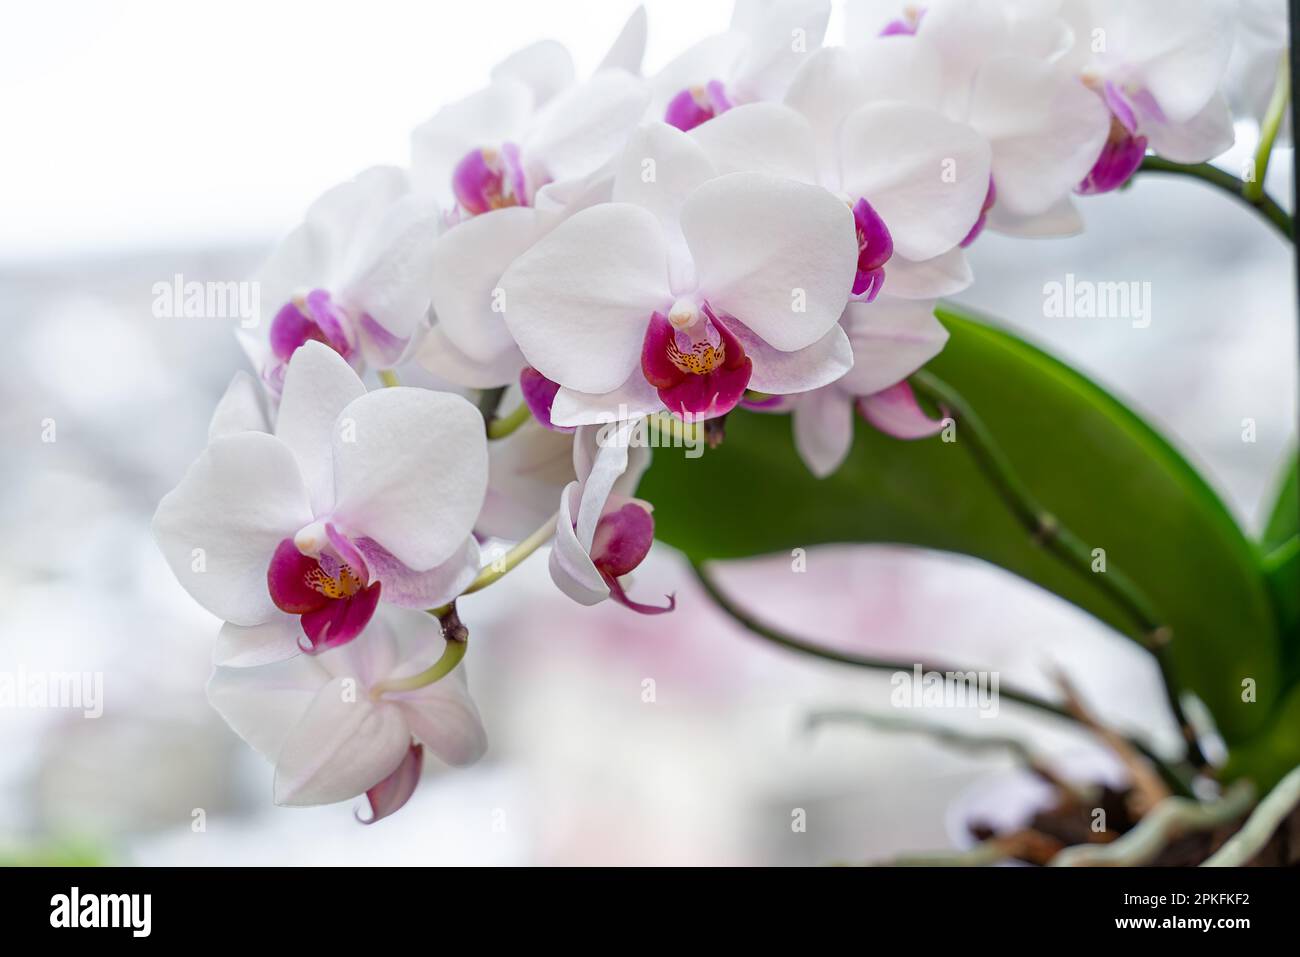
487 179
314 316
697 104
334 598
875 248
695 361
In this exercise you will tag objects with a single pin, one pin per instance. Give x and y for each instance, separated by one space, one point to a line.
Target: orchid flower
293 537
530 126
1158 67
685 291
995 67
334 732
353 276
602 533
891 339
752 61
916 181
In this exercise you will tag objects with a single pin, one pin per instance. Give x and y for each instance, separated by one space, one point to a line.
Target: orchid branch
1272 122
1065 545
1172 777
1264 204
507 425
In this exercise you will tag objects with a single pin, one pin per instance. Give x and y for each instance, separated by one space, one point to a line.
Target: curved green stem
1171 777
1064 544
1272 122
500 428
451 657
498 567
1265 205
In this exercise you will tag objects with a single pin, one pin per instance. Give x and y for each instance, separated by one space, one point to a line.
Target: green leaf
1280 559
1284 520
1098 467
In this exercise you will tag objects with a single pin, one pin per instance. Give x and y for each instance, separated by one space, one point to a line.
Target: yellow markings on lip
345 586
702 359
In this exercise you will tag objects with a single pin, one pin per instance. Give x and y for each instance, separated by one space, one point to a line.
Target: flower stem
507 425
1265 205
1272 122
1065 545
388 377
498 567
450 658
1175 780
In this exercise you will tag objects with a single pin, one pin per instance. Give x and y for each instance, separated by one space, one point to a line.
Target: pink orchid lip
697 104
622 540
539 394
1120 158
875 248
904 26
332 596
391 794
990 198
488 179
313 317
699 367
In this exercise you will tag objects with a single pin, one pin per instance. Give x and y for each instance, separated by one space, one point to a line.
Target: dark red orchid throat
335 598
695 362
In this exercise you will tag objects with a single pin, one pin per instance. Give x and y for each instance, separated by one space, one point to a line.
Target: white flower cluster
766 222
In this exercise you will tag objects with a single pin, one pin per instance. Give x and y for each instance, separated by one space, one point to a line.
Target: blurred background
149 139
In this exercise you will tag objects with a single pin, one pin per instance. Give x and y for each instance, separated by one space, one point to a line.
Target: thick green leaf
1284 520
1092 462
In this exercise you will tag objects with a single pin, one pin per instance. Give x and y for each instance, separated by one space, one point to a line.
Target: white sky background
147 124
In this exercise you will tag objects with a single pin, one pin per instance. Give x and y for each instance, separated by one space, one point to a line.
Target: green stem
1265 205
451 657
1272 122
1063 544
500 428
388 377
498 568
1176 781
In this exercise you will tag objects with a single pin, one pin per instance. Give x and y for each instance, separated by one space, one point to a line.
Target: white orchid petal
247 647
891 339
760 137
925 175
343 745
787 373
579 301
220 526
545 67
823 429
263 704
410 468
444 718
776 254
239 410
317 387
